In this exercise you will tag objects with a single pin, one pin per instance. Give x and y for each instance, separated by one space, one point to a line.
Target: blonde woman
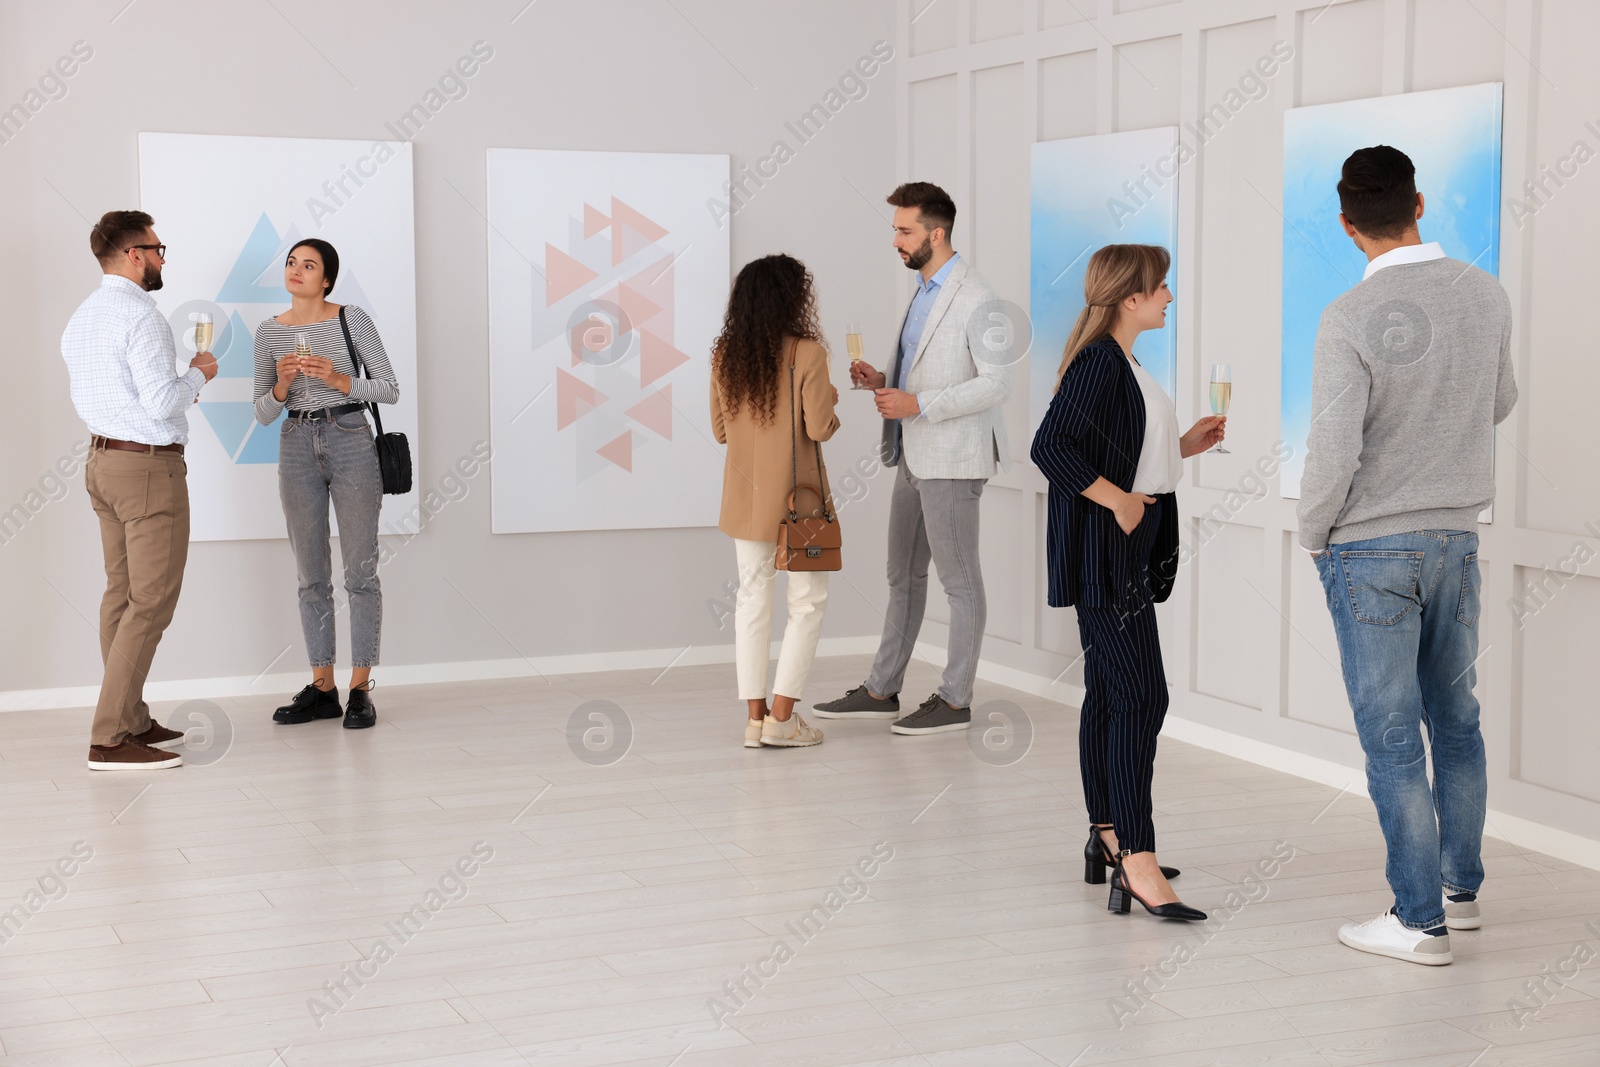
1112 452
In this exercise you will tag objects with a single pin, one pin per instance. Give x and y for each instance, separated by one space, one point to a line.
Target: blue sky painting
1115 188
1453 137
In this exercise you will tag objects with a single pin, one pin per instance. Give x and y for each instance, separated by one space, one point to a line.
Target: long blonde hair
1115 273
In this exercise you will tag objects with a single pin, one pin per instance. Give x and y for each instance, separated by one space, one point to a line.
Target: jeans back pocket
1383 586
1471 580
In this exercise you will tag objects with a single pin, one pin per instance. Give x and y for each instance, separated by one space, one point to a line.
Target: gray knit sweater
1412 372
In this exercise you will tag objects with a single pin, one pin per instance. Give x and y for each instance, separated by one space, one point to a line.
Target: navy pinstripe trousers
1124 705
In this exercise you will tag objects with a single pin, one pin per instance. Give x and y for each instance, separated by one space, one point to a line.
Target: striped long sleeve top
274 340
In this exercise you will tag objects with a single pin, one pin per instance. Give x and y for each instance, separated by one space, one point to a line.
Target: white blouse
1160 460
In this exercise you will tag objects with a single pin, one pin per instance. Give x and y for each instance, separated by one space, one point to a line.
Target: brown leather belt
131 446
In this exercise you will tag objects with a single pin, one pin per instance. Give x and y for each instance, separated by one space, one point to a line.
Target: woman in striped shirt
326 452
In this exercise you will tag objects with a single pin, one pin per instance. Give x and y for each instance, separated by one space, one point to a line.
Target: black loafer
359 713
310 703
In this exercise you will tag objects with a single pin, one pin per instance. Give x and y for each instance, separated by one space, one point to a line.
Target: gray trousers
318 461
932 519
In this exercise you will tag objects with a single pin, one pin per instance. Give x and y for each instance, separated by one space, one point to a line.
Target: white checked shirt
123 365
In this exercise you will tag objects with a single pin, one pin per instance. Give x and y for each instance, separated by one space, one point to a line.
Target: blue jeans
335 459
1405 609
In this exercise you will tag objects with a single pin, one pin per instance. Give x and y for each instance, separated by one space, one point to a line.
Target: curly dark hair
772 298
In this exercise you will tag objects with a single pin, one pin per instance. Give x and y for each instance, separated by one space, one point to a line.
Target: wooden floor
249 911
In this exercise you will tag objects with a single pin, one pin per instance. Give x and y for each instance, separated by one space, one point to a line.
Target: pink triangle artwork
657 358
631 231
563 275
575 398
635 305
655 411
656 284
616 322
619 450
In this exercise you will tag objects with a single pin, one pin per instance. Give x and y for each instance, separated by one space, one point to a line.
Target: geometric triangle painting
232 214
607 282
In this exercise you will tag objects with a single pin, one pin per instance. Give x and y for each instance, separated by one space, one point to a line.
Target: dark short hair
936 209
115 231
1378 192
330 259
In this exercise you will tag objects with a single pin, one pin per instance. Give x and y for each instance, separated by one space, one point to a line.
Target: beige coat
756 478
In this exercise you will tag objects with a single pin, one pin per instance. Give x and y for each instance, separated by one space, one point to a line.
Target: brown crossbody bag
809 544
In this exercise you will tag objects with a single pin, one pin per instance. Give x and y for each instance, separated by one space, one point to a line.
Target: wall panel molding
1076 80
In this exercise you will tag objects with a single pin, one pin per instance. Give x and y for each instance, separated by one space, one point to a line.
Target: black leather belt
328 413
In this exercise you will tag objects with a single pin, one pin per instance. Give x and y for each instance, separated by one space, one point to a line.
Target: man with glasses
122 361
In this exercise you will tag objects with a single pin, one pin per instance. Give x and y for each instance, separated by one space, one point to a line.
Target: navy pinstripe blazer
1095 426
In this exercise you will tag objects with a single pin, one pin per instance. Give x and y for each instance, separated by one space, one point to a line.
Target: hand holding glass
852 342
1221 394
203 332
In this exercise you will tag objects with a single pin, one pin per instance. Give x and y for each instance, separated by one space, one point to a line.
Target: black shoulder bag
394 452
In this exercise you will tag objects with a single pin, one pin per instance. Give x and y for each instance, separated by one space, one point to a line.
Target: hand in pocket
1130 511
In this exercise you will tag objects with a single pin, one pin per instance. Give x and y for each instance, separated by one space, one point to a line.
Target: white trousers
808 598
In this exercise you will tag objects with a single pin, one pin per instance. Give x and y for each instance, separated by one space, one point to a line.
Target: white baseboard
421 673
1521 832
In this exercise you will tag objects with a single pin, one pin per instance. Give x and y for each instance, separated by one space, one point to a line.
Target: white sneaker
790 733
1462 914
1387 936
752 733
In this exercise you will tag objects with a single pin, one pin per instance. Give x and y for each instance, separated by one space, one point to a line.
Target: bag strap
794 438
355 359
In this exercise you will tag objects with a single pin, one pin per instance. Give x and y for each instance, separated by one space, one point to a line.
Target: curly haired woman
771 321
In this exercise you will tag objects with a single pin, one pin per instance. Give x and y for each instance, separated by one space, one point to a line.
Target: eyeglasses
160 250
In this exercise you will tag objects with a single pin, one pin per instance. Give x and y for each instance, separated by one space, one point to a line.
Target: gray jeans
937 519
319 460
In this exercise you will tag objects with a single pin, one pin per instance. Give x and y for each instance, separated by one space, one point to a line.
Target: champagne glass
1221 394
202 332
852 342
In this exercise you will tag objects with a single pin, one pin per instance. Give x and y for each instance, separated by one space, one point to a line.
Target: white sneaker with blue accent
1388 936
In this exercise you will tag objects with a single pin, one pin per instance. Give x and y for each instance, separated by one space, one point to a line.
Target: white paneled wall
1249 645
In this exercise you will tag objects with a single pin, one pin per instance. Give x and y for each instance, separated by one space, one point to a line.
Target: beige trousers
142 501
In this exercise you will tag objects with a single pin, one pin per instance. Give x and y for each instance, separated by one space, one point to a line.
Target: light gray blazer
961 431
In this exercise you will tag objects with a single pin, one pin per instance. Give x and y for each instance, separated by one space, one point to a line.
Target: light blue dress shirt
917 318
122 363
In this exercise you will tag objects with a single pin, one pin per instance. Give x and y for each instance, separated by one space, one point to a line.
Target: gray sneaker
859 704
1461 911
934 716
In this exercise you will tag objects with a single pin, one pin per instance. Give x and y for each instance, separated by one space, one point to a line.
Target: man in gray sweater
1412 373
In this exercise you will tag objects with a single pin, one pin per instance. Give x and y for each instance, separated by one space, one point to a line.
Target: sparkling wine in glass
852 343
202 332
302 350
1221 393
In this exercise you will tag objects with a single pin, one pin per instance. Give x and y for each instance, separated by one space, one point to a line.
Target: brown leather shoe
131 756
159 736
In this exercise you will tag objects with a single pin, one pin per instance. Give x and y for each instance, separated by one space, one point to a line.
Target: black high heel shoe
1097 859
1122 898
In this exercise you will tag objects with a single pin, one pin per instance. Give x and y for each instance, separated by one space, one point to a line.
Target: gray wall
640 75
